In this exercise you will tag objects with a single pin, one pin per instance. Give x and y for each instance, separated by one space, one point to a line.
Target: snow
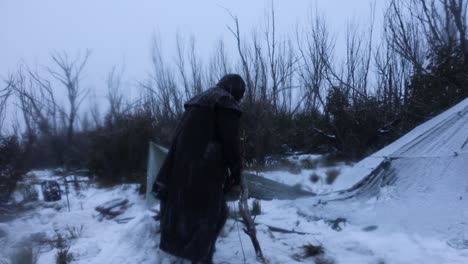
137 241
407 203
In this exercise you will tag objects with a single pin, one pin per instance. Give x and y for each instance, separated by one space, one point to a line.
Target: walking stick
249 223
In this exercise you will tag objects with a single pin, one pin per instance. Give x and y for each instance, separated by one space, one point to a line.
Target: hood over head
233 84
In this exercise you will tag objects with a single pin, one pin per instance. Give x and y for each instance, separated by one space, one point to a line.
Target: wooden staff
249 223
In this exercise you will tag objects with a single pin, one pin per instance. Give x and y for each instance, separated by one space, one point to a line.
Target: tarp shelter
419 182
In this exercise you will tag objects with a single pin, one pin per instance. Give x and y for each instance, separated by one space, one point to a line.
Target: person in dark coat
204 160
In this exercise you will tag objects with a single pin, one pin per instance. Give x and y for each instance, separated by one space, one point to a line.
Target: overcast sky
119 32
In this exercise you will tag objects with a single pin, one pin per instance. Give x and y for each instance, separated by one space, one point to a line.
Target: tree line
300 94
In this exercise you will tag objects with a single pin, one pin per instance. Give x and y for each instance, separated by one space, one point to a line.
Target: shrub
337 224
314 177
332 174
63 256
11 166
119 148
256 207
312 250
329 160
309 163
74 232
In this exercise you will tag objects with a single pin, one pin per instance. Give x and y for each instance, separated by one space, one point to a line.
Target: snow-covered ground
136 241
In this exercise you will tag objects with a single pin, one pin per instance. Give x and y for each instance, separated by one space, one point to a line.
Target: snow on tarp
259 187
419 183
444 135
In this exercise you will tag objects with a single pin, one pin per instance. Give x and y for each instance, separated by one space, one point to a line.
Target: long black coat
192 177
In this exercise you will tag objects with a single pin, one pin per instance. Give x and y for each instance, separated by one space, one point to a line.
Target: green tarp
259 187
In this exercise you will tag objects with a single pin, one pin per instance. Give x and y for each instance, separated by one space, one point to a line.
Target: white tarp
417 183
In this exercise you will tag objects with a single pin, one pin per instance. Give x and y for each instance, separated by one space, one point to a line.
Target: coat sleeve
228 130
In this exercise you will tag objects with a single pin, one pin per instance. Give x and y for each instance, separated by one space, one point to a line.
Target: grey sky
120 30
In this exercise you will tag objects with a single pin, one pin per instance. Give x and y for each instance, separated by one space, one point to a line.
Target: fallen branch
124 220
286 231
249 229
279 229
113 208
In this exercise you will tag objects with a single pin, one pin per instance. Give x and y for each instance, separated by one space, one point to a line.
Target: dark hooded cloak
190 182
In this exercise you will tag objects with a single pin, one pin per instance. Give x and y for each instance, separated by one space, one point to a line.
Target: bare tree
426 33
94 111
68 74
219 64
181 67
161 92
196 68
393 73
36 101
403 33
244 63
114 93
282 63
353 74
316 53
192 75
4 95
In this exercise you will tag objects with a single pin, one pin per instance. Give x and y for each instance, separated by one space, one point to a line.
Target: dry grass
74 232
64 256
